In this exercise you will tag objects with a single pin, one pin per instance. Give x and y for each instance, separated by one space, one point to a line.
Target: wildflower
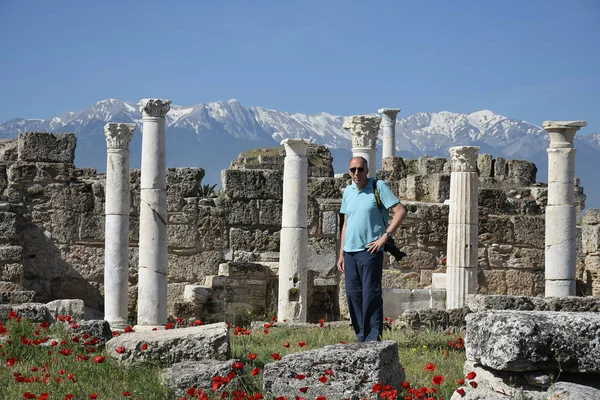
144 347
99 359
460 382
286 344
238 365
255 371
29 395
300 376
11 361
301 344
324 379
328 371
120 350
430 367
303 389
66 352
473 384
252 356
126 394
406 385
438 380
70 396
460 391
276 356
471 375
94 396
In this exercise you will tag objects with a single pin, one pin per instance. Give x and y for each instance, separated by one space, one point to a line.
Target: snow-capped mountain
210 135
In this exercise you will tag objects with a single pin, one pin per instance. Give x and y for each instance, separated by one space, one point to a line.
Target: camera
390 247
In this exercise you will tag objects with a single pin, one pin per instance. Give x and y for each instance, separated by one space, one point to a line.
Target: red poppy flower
473 384
29 395
300 376
238 365
460 382
144 347
44 396
460 391
301 344
252 356
266 331
94 396
99 359
11 361
191 392
328 371
438 380
276 356
66 352
321 398
430 367
62 372
128 329
255 371
377 388
324 379
120 350
70 396
126 394
286 344
471 375
303 389
406 385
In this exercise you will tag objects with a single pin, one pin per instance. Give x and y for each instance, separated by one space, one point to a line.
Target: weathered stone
396 167
93 329
75 308
358 367
12 273
529 230
16 297
212 233
591 217
322 256
8 149
53 172
496 229
590 238
254 240
500 169
477 303
8 226
193 268
395 279
252 184
172 346
485 165
269 212
33 312
192 374
492 282
22 172
432 165
534 340
75 197
327 188
182 237
519 283
38 146
493 201
419 259
572 391
522 173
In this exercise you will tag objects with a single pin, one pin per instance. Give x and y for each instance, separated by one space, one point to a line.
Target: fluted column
561 251
293 252
364 130
388 124
152 275
461 255
116 236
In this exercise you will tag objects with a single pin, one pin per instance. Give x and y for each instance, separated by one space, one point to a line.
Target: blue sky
532 60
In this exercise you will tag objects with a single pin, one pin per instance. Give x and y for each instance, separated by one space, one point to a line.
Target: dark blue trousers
363 292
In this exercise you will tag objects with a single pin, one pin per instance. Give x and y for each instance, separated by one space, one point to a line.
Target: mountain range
210 135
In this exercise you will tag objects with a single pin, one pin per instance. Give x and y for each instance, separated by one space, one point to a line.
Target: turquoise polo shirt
364 220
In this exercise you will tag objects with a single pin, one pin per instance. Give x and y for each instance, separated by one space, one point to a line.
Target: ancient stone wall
223 251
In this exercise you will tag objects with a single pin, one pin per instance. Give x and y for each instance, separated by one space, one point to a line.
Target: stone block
590 238
182 183
252 184
529 230
397 301
591 217
212 234
48 147
191 374
322 256
76 197
521 173
169 347
357 368
500 169
8 226
485 165
12 272
53 172
393 279
534 340
492 282
22 172
570 390
254 239
11 253
93 329
493 201
182 236
8 149
419 259
91 227
327 188
193 268
197 294
496 229
395 166
269 212
16 297
519 283
33 312
438 280
329 222
75 308
432 165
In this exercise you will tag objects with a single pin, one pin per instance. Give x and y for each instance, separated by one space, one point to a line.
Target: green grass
110 380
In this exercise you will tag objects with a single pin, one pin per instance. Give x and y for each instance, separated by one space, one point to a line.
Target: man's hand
340 264
377 245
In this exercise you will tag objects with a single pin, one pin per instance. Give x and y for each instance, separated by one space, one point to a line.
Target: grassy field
40 362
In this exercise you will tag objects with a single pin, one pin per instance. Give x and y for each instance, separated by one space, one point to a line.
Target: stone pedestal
388 125
461 271
561 251
152 275
364 130
293 252
116 237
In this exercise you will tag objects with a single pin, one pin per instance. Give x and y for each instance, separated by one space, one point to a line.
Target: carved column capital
296 146
118 136
388 116
562 133
364 130
464 158
154 108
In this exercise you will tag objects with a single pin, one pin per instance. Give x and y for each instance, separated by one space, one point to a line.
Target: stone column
461 255
388 123
152 274
364 130
561 252
293 253
116 236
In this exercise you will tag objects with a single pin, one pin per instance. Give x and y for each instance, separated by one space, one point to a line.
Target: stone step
17 297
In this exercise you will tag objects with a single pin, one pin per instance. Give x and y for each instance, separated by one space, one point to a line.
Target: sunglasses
354 169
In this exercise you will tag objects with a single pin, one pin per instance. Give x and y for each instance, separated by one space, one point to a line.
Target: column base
117 324
148 328
560 288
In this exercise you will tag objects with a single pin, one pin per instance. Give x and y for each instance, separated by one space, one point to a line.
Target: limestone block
172 346
426 211
53 172
396 167
534 340
3 178
212 234
590 238
269 212
92 227
492 282
93 329
496 229
196 294
438 280
570 390
322 256
12 272
519 283
72 307
22 172
194 267
8 149
252 184
77 288
417 188
254 239
432 165
327 188
485 165
14 195
591 217
419 259
191 374
16 297
329 222
426 276
522 173
11 253
77 197
33 312
65 227
38 146
8 226
529 230
397 302
500 169
182 236
182 183
357 368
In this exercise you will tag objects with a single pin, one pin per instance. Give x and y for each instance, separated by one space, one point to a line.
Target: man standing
363 237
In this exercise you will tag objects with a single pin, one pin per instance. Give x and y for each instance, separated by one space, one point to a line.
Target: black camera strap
379 203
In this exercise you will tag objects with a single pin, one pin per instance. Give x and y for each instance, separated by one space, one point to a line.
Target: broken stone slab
479 302
33 312
17 297
356 369
192 374
572 391
75 308
534 340
94 329
174 345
